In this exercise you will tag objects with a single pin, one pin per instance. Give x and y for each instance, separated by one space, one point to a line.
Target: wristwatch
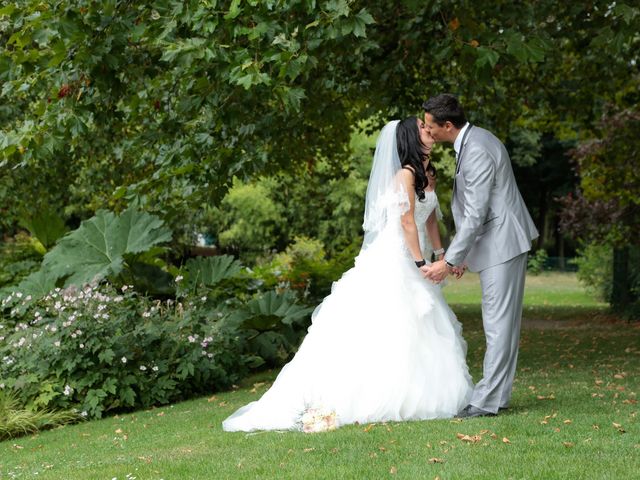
420 263
450 266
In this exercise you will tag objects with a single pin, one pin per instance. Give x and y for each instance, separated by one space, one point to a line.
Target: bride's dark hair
411 153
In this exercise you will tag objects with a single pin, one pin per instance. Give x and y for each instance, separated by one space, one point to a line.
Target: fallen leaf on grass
548 397
630 401
568 444
212 399
436 460
393 470
596 427
468 438
307 450
505 440
256 386
619 376
368 428
567 422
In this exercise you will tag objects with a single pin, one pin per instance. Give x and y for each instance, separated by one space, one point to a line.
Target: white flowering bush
100 349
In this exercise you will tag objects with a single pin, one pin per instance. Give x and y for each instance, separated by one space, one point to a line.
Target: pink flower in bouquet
318 420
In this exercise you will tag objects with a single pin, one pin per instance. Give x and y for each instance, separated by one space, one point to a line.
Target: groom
493 235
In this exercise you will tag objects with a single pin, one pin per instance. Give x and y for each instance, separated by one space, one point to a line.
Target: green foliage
249 220
167 100
595 269
208 271
99 248
46 226
536 264
101 350
18 258
16 420
609 176
274 325
304 269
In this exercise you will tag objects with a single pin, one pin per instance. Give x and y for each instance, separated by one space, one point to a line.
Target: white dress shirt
457 143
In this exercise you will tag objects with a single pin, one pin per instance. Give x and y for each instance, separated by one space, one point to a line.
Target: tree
607 209
166 101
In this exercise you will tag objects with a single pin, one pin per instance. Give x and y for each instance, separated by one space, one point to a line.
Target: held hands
459 271
437 271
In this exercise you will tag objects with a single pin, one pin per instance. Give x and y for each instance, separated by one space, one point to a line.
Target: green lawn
574 415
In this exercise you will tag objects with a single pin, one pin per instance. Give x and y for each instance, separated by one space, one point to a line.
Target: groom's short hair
445 107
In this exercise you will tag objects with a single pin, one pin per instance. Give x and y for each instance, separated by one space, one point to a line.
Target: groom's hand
459 271
436 272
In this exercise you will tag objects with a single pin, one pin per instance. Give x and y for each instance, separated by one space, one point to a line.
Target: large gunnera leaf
271 308
97 248
211 270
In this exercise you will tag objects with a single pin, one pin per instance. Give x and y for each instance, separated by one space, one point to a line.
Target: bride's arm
409 227
434 234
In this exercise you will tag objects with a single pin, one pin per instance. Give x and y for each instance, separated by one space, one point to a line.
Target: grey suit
493 235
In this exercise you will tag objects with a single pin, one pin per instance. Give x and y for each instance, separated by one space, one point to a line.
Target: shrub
537 262
304 269
15 420
103 349
18 258
106 350
595 269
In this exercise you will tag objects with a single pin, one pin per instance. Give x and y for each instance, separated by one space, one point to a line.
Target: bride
384 345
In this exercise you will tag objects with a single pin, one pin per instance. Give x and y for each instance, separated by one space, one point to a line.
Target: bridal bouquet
318 420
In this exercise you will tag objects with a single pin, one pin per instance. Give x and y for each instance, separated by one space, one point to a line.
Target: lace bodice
421 212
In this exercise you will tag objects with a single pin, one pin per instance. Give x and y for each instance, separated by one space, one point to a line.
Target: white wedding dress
383 346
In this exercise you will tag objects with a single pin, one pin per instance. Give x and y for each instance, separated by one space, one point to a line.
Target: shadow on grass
544 316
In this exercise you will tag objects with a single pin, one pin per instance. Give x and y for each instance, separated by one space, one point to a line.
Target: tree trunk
561 260
621 291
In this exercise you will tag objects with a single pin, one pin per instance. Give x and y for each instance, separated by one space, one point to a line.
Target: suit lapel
459 156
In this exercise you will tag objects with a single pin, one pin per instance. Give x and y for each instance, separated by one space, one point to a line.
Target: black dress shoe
470 412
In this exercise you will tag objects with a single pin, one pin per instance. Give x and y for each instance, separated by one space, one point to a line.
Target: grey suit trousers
502 293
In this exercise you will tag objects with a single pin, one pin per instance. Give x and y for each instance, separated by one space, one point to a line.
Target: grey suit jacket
492 221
